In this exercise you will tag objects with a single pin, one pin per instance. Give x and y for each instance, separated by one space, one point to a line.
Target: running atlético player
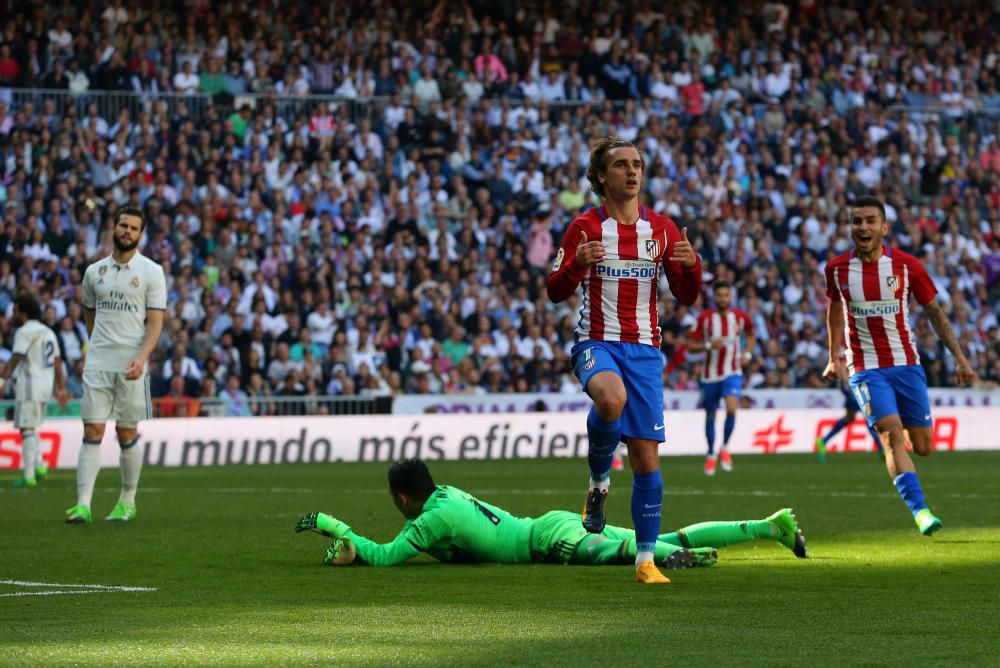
869 290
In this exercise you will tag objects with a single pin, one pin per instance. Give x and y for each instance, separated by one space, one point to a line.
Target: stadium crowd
400 244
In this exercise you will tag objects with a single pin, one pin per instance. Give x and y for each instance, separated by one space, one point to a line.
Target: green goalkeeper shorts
555 535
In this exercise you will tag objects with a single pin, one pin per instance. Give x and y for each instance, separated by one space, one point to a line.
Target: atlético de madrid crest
652 248
893 283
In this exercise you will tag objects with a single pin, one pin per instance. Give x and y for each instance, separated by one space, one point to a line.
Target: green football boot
788 532
79 514
690 558
41 471
927 522
122 512
821 450
25 482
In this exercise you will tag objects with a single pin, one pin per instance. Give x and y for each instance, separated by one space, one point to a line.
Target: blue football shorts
640 366
896 390
712 393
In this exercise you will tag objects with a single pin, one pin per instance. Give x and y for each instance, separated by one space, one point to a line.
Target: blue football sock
728 427
876 438
835 429
710 430
647 499
908 486
604 437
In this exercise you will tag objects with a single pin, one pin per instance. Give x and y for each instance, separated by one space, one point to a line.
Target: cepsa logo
10 448
774 437
855 437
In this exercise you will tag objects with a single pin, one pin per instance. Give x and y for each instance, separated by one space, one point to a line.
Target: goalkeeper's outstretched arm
411 541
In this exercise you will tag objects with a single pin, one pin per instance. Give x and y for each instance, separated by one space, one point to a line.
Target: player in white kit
124 300
36 359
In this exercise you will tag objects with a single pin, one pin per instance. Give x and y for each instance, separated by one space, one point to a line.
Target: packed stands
363 198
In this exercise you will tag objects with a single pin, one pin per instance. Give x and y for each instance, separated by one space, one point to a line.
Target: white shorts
107 395
29 414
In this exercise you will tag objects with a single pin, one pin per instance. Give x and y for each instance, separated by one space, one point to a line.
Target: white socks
602 486
642 557
87 468
131 463
29 453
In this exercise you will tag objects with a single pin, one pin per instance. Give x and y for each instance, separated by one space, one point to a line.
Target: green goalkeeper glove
340 553
322 523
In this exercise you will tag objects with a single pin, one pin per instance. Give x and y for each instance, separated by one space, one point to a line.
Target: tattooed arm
939 321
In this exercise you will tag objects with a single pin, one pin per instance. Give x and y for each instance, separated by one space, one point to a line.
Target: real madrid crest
103 270
135 281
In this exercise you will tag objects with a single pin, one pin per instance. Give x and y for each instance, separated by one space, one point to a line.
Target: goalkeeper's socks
710 431
604 437
647 500
908 486
87 467
835 429
727 429
131 464
723 534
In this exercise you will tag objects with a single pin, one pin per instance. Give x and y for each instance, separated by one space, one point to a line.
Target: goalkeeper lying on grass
455 527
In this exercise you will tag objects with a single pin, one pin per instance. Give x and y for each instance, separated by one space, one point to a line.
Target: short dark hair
130 211
869 200
28 304
718 285
411 477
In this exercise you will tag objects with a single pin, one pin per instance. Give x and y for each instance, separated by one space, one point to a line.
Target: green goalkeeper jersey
456 527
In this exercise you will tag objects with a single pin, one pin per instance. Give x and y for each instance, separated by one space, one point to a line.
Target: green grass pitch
234 585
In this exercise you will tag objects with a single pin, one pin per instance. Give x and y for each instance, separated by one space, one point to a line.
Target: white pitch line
92 587
51 593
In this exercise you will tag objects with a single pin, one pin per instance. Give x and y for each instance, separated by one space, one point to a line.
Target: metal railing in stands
109 104
165 407
268 406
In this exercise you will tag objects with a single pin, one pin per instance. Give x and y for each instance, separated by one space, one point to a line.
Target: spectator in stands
186 81
393 224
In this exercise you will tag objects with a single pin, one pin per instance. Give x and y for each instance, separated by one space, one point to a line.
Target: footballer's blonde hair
599 151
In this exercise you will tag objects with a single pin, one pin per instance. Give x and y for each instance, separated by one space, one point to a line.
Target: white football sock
29 452
131 463
39 460
642 557
87 468
602 486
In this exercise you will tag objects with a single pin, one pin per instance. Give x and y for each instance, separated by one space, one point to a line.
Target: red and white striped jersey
620 293
875 297
721 363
